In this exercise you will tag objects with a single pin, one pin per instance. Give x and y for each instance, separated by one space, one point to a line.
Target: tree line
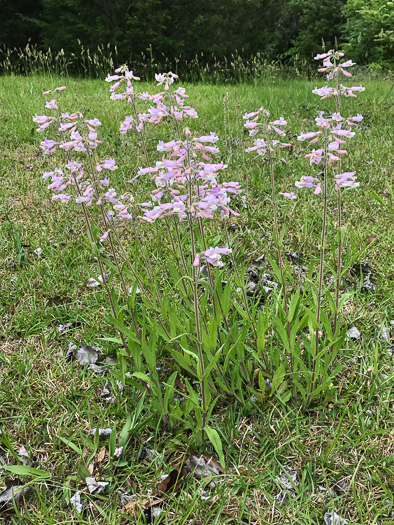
279 29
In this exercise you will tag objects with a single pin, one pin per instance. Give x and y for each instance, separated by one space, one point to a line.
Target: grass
345 444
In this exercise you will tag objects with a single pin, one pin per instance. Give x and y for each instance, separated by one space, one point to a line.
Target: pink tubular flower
109 164
357 118
306 182
94 122
349 63
41 119
51 104
118 452
310 135
248 116
212 137
279 122
291 195
213 255
346 179
112 78
315 156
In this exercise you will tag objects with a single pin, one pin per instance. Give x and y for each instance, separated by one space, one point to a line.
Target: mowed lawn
345 445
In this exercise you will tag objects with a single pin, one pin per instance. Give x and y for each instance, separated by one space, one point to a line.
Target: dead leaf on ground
213 463
133 507
171 483
101 455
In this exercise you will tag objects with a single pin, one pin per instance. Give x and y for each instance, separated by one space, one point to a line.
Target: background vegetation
177 32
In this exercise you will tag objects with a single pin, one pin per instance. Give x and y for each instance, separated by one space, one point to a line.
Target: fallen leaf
14 493
101 455
125 497
93 283
353 333
134 506
103 432
86 355
171 483
332 518
96 486
201 470
77 503
213 463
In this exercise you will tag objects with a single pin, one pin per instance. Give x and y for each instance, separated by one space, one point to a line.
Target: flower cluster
168 103
267 128
186 185
212 256
334 129
333 68
76 136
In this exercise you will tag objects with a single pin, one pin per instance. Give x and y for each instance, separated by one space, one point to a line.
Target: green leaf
210 366
23 470
214 438
278 377
122 328
293 305
282 332
143 377
74 447
112 442
378 198
276 269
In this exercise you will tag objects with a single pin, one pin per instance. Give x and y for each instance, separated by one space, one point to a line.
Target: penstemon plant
266 146
187 339
199 333
334 129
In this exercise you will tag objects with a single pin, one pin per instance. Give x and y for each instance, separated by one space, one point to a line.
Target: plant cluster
194 338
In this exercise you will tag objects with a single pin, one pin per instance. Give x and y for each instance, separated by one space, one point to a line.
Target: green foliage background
279 29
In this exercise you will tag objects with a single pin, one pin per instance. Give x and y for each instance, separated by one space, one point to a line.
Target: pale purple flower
280 122
322 122
291 195
51 104
348 63
111 78
49 146
104 236
213 255
118 452
322 56
357 118
41 119
306 182
315 156
62 197
93 122
204 495
109 164
310 135
347 179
